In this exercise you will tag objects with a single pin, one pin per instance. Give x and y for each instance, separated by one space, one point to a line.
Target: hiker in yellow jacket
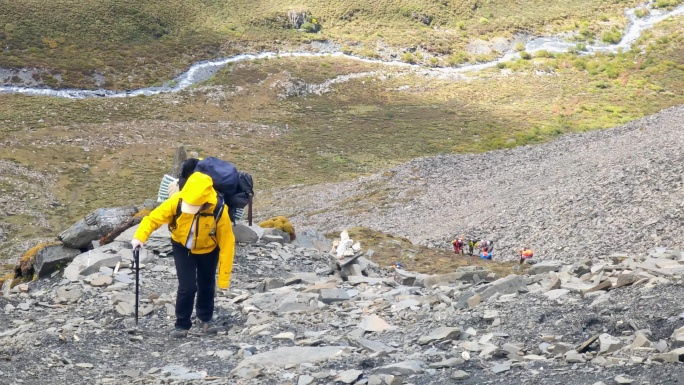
200 244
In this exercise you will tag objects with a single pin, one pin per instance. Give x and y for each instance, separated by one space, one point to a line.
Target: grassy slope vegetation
360 127
389 249
144 42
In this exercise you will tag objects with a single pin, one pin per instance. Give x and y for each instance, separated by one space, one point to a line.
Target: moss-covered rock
281 223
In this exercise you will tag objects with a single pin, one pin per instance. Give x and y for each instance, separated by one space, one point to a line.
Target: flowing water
204 70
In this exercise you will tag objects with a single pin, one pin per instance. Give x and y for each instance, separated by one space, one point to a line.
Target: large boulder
275 235
510 285
545 267
675 355
51 258
312 239
403 277
95 225
244 234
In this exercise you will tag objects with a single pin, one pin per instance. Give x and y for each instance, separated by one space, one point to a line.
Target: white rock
348 376
556 294
609 344
373 323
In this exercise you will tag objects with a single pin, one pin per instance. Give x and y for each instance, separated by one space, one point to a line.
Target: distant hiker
458 245
471 246
525 254
202 239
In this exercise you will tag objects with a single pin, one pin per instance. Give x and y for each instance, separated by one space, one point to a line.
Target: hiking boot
179 333
208 327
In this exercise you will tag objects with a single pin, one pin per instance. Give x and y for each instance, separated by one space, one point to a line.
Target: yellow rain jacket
207 234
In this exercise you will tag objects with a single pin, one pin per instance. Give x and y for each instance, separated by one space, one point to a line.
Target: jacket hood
198 190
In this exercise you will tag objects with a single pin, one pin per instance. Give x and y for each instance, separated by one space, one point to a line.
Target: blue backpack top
236 188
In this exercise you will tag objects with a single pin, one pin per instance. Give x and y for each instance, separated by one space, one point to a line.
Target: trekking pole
249 210
136 261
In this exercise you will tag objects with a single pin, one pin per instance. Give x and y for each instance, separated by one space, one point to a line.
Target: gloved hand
136 243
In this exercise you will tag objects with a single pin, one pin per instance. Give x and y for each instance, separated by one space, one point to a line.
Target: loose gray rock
545 267
510 285
440 334
95 225
90 262
290 356
244 234
460 375
403 368
329 296
348 376
52 257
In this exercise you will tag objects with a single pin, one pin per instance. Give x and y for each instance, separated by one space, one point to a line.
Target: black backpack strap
218 211
172 225
220 205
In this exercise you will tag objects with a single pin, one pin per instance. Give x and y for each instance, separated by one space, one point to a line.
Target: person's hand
136 243
173 188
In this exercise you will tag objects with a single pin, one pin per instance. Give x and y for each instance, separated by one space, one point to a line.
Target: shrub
525 55
500 65
586 33
461 25
581 47
612 37
666 3
433 61
408 58
520 47
592 67
484 57
580 64
544 53
611 71
641 12
310 27
457 58
369 53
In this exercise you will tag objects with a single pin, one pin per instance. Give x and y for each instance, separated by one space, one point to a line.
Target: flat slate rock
291 356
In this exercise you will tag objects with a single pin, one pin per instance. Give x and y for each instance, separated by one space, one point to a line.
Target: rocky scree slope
583 195
289 318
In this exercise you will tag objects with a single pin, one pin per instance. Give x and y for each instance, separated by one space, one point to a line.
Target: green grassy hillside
109 152
145 42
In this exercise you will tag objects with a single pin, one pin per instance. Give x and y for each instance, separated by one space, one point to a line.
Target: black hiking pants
196 274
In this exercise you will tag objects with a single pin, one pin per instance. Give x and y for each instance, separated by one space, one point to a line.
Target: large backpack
236 187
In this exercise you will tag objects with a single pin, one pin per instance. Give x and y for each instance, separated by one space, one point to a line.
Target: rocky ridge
581 196
294 316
